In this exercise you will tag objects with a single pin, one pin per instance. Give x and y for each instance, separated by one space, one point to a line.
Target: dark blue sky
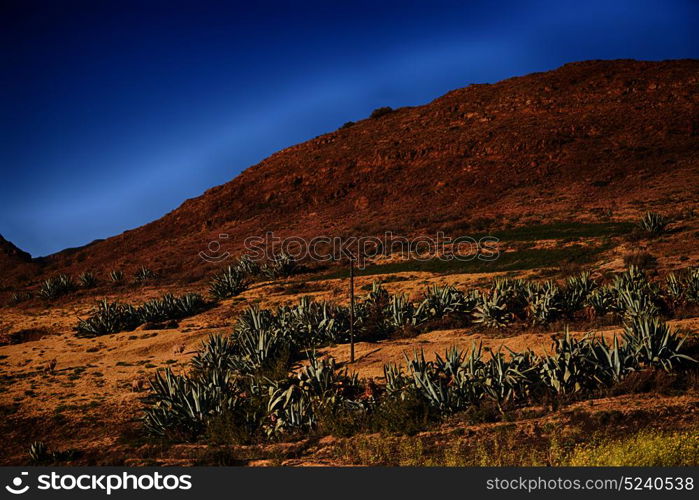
112 112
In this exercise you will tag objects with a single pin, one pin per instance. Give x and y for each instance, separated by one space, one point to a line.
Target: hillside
13 259
616 137
558 165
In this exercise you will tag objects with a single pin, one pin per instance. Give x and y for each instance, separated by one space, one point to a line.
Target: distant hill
616 137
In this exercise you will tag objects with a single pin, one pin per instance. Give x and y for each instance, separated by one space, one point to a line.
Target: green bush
245 378
379 112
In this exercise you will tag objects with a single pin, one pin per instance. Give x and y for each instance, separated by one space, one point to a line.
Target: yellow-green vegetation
509 448
646 449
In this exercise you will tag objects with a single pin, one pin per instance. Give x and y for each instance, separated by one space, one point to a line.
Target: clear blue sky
112 113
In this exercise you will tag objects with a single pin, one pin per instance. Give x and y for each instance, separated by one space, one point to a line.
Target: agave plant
452 362
674 291
611 363
633 279
692 286
544 302
144 274
504 380
289 410
323 378
259 349
603 300
116 276
229 283
492 312
217 353
87 280
182 405
440 301
255 319
18 297
576 292
169 307
653 224
635 304
371 320
569 369
636 295
652 343
293 403
401 312
313 323
39 453
512 294
281 265
395 380
377 295
247 265
435 390
57 286
108 317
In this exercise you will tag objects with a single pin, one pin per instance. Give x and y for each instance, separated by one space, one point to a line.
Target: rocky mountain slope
615 137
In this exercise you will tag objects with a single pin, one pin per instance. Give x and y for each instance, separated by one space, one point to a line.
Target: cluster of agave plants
630 295
229 282
243 382
236 278
244 378
463 379
63 284
57 286
112 317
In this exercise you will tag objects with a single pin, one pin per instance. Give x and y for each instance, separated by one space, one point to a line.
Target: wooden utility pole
351 291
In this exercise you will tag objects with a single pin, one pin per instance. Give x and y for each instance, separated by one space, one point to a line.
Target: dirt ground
91 400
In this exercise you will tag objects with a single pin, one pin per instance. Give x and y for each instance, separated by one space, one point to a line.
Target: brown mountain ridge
619 136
